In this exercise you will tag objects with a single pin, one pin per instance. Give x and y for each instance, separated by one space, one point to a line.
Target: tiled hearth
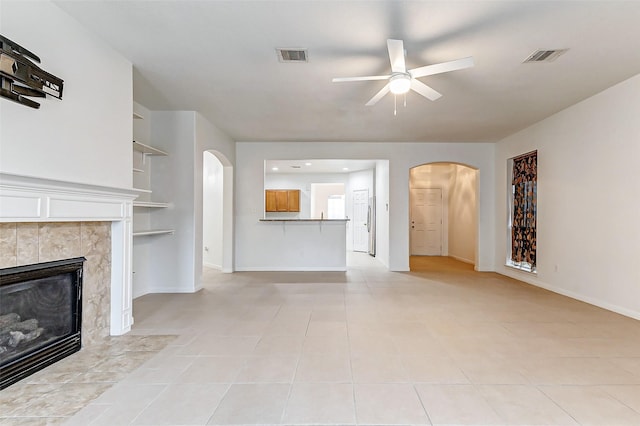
51 396
27 243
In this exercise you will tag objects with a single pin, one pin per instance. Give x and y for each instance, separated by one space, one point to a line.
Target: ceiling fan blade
370 77
378 95
424 90
396 55
458 64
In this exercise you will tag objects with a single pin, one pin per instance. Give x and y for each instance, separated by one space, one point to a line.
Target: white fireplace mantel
32 199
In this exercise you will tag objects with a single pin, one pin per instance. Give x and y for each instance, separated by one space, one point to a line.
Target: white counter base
298 245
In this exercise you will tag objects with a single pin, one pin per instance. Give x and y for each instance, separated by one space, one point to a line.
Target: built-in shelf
138 170
150 204
153 232
137 116
146 149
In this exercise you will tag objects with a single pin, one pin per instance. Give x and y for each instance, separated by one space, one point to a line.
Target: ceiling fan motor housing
400 83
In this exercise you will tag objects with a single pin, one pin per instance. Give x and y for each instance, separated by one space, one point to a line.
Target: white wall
402 156
588 199
212 203
86 136
186 135
463 214
382 211
173 181
209 138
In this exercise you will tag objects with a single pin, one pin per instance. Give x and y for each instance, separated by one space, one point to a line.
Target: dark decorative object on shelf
20 77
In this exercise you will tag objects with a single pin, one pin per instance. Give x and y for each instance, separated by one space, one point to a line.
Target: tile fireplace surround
28 243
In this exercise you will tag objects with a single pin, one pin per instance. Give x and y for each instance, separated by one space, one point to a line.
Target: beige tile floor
370 347
54 394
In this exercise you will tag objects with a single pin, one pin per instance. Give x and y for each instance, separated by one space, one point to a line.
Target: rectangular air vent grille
292 55
545 55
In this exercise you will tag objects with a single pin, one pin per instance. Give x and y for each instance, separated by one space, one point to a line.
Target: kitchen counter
292 244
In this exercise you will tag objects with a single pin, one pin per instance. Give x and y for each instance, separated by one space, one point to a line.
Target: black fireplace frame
41 357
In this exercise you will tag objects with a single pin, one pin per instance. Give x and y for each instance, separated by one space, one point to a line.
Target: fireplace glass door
40 316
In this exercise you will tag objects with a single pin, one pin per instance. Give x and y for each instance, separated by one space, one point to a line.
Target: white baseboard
524 277
462 259
291 269
212 265
172 290
136 295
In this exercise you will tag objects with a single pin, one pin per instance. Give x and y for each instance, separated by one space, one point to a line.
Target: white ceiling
317 166
218 58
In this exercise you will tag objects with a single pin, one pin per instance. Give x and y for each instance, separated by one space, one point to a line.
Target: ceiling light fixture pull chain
395 107
405 100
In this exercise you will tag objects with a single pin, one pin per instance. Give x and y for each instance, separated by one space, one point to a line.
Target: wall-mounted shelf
137 116
150 204
153 232
146 149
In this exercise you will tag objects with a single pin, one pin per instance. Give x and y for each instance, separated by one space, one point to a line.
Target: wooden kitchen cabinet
270 201
293 200
282 200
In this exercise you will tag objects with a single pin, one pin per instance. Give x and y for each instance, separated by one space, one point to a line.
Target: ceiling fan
401 80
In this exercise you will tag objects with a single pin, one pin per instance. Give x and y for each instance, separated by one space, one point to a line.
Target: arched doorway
443 210
217 211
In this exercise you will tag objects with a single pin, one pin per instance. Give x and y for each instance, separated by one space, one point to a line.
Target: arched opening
217 211
443 210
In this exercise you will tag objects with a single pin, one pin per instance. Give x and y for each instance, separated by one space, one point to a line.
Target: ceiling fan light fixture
400 84
402 80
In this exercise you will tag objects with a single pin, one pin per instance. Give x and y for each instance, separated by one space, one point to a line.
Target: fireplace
40 316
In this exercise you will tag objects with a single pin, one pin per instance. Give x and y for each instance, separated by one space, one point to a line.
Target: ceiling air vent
544 55
292 55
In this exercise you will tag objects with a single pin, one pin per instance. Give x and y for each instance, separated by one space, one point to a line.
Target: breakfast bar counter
303 244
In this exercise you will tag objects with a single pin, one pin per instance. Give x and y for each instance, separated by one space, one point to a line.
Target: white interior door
359 220
426 222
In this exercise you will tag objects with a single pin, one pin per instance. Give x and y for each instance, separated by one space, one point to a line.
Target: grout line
537 387
224 395
603 388
413 385
353 385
